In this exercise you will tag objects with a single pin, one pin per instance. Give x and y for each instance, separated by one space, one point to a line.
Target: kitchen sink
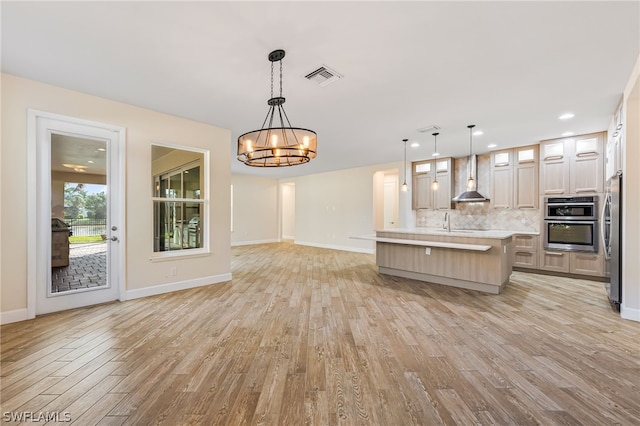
456 231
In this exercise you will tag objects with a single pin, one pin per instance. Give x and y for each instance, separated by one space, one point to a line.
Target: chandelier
276 144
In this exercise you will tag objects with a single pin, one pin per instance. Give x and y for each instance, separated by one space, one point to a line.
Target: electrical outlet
427 251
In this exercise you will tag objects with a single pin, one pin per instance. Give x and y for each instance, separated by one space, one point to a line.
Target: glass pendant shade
277 143
404 187
471 184
435 185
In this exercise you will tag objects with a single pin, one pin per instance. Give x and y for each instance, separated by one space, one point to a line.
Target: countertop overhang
466 233
439 244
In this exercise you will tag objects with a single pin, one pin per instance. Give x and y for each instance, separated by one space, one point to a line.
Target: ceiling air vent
323 76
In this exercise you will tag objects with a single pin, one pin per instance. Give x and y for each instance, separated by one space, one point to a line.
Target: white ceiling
511 68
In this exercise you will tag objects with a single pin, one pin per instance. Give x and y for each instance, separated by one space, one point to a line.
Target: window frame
203 201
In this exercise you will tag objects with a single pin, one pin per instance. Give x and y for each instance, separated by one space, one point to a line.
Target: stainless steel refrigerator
612 236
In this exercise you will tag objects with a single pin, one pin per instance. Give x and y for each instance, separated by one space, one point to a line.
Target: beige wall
255 209
143 127
332 207
631 200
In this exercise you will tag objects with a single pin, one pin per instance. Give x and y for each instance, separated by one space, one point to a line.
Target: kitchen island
476 260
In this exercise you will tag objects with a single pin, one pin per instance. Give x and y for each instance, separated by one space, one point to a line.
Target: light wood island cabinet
476 260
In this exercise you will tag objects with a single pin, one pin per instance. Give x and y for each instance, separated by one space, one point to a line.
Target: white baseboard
250 243
288 237
630 313
180 285
13 316
336 247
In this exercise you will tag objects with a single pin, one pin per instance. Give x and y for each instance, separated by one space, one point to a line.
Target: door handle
114 238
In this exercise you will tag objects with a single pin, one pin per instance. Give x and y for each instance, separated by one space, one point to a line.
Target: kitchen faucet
447 219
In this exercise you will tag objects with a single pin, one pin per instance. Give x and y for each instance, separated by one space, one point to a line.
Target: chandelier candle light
277 144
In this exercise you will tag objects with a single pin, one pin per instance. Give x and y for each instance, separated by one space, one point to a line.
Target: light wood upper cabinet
554 167
572 165
514 178
424 173
525 176
422 198
502 179
587 173
613 151
444 193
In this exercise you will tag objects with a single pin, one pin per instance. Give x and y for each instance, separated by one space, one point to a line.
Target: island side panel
492 267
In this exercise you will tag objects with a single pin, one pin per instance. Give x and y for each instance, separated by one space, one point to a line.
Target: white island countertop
467 233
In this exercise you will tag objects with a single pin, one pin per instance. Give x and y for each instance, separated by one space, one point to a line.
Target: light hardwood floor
313 336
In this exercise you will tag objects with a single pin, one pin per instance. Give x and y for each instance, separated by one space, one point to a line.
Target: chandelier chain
272 79
280 78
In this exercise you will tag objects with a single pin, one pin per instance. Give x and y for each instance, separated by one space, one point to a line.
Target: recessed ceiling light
90 161
101 149
415 145
491 145
435 154
566 116
568 134
478 133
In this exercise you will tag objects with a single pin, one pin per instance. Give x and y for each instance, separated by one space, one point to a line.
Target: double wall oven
571 223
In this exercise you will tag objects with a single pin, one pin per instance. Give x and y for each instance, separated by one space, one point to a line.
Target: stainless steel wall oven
571 223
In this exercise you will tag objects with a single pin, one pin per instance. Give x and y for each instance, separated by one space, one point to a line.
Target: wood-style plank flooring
305 335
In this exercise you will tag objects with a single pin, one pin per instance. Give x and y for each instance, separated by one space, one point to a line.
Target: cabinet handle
584 190
585 153
551 253
553 157
554 191
529 161
528 253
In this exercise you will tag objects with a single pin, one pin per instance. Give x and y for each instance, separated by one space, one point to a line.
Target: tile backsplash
481 216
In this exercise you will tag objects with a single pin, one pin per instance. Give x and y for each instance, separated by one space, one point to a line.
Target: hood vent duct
471 195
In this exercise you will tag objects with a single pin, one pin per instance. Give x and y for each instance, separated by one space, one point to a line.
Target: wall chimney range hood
471 195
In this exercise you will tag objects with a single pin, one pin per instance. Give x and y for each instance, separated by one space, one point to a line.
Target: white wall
143 127
332 207
255 210
630 307
288 196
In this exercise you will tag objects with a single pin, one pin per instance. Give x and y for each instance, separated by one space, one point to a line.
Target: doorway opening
386 209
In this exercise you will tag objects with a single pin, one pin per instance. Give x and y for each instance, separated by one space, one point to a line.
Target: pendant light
435 185
471 183
277 144
404 187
